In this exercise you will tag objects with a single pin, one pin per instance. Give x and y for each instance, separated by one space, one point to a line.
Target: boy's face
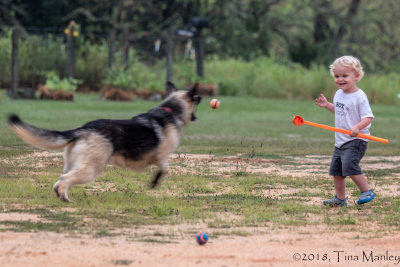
345 78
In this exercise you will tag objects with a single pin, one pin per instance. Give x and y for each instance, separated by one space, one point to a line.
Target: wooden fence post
168 36
71 33
199 48
111 47
125 47
13 92
199 23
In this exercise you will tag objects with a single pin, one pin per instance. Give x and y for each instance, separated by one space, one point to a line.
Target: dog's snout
197 99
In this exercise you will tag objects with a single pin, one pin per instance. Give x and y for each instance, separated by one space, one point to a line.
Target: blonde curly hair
348 62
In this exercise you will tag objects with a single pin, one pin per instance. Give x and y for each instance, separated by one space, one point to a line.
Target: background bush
263 77
266 78
36 56
91 63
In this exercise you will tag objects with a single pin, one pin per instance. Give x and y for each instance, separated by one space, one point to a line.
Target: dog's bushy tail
41 138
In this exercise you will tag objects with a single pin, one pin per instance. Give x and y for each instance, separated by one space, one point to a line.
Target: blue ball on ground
201 238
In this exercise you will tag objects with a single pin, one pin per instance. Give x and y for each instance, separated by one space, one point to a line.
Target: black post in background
71 49
125 47
199 49
199 23
111 47
170 52
14 62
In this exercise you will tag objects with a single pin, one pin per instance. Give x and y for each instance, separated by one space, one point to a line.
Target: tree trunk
322 29
199 48
14 62
71 50
125 47
170 52
111 47
347 21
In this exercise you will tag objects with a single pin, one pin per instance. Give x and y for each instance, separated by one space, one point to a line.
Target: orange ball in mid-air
215 103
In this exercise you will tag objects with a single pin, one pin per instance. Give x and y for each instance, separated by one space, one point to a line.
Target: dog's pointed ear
194 91
170 87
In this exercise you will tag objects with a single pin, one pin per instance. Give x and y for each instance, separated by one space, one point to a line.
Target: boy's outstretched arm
323 103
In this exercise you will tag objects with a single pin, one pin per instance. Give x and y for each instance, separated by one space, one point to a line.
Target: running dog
145 139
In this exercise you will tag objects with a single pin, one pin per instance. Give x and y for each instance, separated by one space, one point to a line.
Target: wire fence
30 51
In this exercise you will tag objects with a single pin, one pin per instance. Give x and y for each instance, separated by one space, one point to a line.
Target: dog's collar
168 109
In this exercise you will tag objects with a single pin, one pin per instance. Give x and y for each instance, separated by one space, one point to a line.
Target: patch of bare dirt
314 246
312 166
15 216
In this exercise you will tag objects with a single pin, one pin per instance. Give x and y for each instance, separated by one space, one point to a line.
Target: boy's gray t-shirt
350 109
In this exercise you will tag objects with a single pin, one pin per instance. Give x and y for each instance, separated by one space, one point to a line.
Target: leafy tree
305 31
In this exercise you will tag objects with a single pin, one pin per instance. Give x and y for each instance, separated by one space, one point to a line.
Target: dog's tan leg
84 161
55 188
163 166
67 157
156 178
80 175
67 165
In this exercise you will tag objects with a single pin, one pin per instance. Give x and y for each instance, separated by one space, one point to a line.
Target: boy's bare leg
340 186
361 181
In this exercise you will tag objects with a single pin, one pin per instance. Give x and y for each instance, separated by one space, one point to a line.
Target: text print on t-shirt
340 110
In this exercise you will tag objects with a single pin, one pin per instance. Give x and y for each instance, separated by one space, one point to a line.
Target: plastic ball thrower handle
297 120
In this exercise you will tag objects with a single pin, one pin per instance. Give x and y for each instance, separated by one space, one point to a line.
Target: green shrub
5 58
35 56
137 77
147 77
91 64
263 77
381 88
266 78
119 79
53 82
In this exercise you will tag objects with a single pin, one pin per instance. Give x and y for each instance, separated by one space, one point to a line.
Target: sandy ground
316 245
284 247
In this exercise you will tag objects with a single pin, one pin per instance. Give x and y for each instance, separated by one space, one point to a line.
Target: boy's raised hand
321 101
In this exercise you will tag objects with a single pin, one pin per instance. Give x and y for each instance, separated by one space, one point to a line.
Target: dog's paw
156 179
153 184
65 199
55 189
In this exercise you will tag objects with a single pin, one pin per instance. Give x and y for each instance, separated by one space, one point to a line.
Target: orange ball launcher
297 120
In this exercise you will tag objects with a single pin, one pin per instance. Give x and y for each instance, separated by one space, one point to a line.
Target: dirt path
284 247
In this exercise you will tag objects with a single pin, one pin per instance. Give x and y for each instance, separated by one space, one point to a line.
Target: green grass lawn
253 128
250 126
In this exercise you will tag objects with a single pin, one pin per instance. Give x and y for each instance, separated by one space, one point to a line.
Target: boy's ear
358 76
